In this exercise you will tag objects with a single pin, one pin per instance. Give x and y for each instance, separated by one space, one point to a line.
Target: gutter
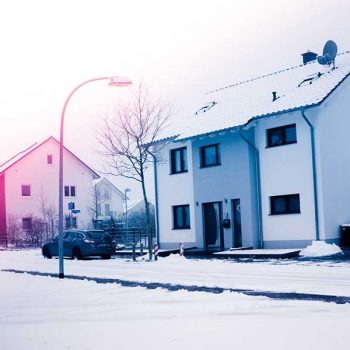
156 196
258 187
314 172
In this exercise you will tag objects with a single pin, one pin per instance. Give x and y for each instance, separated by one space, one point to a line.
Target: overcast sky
180 48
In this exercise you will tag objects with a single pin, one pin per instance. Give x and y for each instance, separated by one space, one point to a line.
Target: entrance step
259 253
240 248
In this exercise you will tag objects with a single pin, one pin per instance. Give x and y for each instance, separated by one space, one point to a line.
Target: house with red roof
29 187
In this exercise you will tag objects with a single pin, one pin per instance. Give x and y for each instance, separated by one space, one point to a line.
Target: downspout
156 196
258 187
314 172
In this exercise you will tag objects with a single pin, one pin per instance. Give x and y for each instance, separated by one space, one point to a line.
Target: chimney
309 56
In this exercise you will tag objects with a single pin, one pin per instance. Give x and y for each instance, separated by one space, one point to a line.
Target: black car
81 243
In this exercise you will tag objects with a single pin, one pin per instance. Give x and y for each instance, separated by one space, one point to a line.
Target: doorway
236 226
212 218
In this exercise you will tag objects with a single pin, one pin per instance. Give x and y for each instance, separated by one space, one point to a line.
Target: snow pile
320 248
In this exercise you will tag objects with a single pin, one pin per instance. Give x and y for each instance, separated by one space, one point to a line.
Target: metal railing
128 237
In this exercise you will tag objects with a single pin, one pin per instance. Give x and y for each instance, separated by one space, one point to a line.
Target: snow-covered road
38 313
302 278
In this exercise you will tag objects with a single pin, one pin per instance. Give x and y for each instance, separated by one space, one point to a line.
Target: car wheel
106 256
46 253
76 253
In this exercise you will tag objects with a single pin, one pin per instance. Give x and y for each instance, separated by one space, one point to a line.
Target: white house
262 163
109 199
29 182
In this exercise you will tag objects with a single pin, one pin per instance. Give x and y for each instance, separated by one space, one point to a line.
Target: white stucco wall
286 170
333 139
230 180
33 170
175 189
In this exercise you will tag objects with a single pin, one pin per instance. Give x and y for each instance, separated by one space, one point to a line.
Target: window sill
291 213
181 228
209 166
180 172
283 144
26 196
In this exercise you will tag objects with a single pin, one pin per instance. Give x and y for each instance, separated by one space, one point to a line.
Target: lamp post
113 81
126 208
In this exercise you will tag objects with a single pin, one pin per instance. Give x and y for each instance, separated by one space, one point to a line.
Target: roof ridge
267 75
17 154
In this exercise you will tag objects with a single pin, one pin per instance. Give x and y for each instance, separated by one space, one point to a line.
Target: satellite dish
329 53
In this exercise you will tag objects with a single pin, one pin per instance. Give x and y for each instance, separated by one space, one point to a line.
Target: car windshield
96 234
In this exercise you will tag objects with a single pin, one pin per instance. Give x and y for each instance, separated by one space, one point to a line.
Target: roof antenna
329 53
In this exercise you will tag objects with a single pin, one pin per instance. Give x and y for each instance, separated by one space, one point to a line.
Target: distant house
262 163
139 207
137 216
108 198
29 187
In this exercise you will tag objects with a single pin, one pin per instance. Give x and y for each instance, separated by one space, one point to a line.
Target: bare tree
127 137
92 208
47 211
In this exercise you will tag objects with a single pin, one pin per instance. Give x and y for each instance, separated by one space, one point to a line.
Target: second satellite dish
329 53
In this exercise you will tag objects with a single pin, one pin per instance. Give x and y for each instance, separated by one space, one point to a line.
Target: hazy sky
180 48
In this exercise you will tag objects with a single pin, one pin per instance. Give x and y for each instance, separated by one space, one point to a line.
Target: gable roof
16 158
235 105
103 179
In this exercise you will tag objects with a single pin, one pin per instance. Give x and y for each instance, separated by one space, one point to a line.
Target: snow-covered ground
47 313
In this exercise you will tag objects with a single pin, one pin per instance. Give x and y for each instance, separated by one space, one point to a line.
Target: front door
237 227
212 217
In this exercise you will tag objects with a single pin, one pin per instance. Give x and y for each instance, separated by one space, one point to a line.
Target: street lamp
114 82
126 208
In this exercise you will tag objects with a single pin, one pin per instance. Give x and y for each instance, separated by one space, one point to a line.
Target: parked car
81 243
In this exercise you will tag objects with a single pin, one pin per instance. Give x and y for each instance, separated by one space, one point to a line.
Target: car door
68 242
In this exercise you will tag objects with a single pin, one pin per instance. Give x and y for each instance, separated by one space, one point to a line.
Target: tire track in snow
195 288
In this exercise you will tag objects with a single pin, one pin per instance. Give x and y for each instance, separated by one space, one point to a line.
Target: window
26 191
69 191
179 160
107 210
287 204
81 235
27 223
106 195
181 216
98 209
210 155
71 221
283 135
49 159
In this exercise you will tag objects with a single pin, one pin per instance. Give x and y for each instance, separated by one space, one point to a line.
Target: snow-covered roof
17 157
296 87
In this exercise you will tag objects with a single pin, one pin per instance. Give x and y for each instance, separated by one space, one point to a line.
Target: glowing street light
115 81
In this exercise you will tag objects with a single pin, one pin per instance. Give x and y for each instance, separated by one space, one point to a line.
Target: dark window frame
287 199
176 225
70 191
183 165
27 223
24 193
49 159
203 162
284 141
